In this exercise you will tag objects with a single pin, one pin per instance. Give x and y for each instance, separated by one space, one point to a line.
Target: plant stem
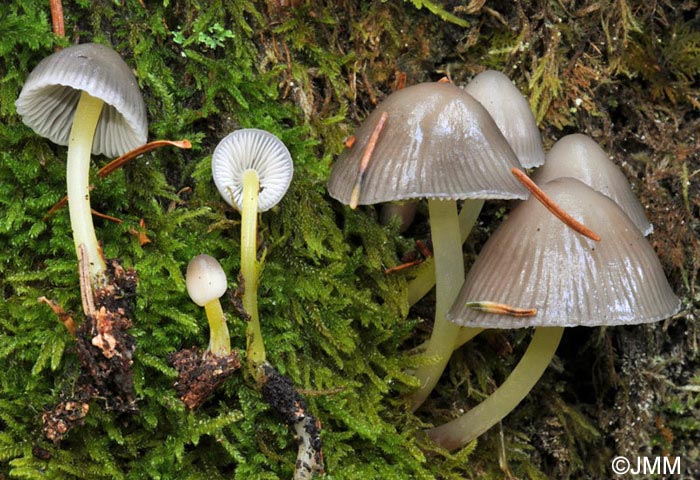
249 267
219 339
449 273
78 179
460 431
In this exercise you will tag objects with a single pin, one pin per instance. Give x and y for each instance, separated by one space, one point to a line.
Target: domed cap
580 157
512 114
535 261
246 149
51 93
205 279
437 142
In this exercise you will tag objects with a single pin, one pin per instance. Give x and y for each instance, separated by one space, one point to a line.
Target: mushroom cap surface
51 93
205 279
438 142
535 261
579 156
259 150
511 112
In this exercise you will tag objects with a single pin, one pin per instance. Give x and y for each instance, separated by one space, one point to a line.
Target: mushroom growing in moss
87 98
431 141
579 156
536 262
206 283
252 170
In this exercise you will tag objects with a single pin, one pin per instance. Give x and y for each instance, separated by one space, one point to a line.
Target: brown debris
279 392
200 375
66 415
105 351
65 318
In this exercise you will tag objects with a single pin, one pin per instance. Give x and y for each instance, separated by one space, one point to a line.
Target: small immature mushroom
534 261
435 142
206 283
252 170
87 98
511 112
579 156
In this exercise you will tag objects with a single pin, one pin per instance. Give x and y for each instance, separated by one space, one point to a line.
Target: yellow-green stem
249 267
424 278
449 274
219 339
78 183
460 431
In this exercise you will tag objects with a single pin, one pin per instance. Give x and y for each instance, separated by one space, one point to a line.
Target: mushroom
432 141
511 112
87 98
534 261
252 170
580 157
206 283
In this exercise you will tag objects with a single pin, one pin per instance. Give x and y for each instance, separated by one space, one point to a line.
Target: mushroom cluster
437 141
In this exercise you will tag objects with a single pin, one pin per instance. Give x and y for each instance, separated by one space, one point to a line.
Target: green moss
332 320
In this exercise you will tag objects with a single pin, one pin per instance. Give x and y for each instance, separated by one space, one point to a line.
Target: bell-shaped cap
535 261
205 279
437 142
512 114
247 149
51 93
579 156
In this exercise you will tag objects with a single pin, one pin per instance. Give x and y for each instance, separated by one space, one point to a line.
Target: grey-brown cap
511 111
252 149
535 261
579 156
51 93
437 142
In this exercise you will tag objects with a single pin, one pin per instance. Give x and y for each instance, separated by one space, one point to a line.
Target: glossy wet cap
580 157
512 114
437 142
246 149
535 261
205 279
51 93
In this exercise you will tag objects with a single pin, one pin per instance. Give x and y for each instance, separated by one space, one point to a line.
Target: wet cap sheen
535 261
580 157
258 150
205 279
512 114
51 93
437 142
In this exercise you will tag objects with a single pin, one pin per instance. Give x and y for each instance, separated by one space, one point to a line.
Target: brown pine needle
129 156
556 210
366 156
64 317
501 309
120 162
57 18
403 266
